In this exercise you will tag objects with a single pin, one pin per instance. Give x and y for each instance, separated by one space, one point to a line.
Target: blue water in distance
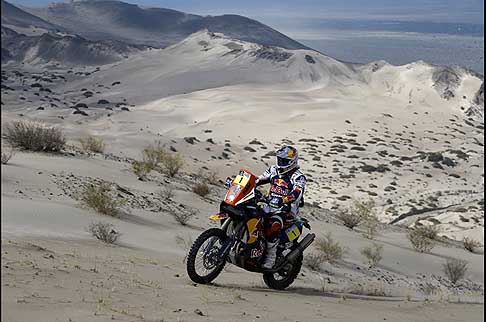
398 42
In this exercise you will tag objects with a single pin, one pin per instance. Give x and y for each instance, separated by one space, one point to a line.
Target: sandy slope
341 117
404 136
52 269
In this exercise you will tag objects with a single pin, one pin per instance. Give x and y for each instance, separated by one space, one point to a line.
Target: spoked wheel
285 277
203 261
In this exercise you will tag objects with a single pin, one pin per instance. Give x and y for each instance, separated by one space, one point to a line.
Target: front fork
232 239
228 243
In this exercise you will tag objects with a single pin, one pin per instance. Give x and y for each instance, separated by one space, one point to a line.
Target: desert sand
408 137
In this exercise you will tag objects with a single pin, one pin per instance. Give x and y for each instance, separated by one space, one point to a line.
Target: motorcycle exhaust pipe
299 250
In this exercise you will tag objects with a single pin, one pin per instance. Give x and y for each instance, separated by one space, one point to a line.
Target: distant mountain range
129 23
16 17
59 48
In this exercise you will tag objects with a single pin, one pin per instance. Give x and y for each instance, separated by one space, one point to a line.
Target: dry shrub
373 254
93 144
172 164
7 154
155 156
371 227
363 209
183 216
429 231
142 168
166 193
330 250
103 231
366 288
201 189
34 136
349 219
313 261
471 244
99 198
366 211
210 177
423 238
455 269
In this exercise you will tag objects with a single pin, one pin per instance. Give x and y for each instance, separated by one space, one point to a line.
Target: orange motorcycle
241 241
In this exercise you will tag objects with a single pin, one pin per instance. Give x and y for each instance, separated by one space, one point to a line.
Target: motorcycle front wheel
203 261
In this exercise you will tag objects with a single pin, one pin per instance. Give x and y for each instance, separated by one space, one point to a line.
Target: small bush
100 199
363 209
183 216
373 254
420 239
142 168
471 244
201 189
455 270
92 144
7 154
166 193
34 137
429 231
369 220
103 231
367 289
210 177
154 154
313 261
330 250
371 226
349 219
172 164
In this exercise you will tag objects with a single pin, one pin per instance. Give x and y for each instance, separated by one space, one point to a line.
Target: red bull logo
280 187
281 183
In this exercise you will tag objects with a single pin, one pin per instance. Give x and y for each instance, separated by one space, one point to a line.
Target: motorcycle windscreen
240 187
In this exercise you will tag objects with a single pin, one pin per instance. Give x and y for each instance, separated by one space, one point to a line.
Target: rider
287 185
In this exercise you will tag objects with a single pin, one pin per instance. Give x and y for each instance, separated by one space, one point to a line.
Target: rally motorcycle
241 241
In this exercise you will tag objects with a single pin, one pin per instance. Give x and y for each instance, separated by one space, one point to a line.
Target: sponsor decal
256 252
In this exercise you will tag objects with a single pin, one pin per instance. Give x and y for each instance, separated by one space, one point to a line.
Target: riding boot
271 255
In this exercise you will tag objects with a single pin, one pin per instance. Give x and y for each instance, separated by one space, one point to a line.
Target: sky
305 16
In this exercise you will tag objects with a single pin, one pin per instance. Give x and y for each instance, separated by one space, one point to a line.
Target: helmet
287 159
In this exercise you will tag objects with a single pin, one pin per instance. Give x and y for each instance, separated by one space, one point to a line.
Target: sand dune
409 137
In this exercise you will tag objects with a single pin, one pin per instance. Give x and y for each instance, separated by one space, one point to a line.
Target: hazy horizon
438 31
441 11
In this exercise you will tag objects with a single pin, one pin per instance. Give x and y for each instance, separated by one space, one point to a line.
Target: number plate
241 179
293 233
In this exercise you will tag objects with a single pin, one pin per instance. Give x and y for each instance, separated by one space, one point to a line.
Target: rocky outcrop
446 81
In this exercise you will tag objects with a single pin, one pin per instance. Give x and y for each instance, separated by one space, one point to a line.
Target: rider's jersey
289 186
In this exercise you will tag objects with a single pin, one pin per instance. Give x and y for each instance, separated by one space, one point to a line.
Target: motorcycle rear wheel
279 281
211 265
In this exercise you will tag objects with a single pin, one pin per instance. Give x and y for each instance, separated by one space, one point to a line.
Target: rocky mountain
14 17
61 48
157 27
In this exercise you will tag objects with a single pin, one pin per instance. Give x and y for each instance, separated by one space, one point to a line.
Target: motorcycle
240 240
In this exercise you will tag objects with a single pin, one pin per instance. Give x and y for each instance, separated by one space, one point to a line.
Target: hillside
413 132
56 48
158 27
14 17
